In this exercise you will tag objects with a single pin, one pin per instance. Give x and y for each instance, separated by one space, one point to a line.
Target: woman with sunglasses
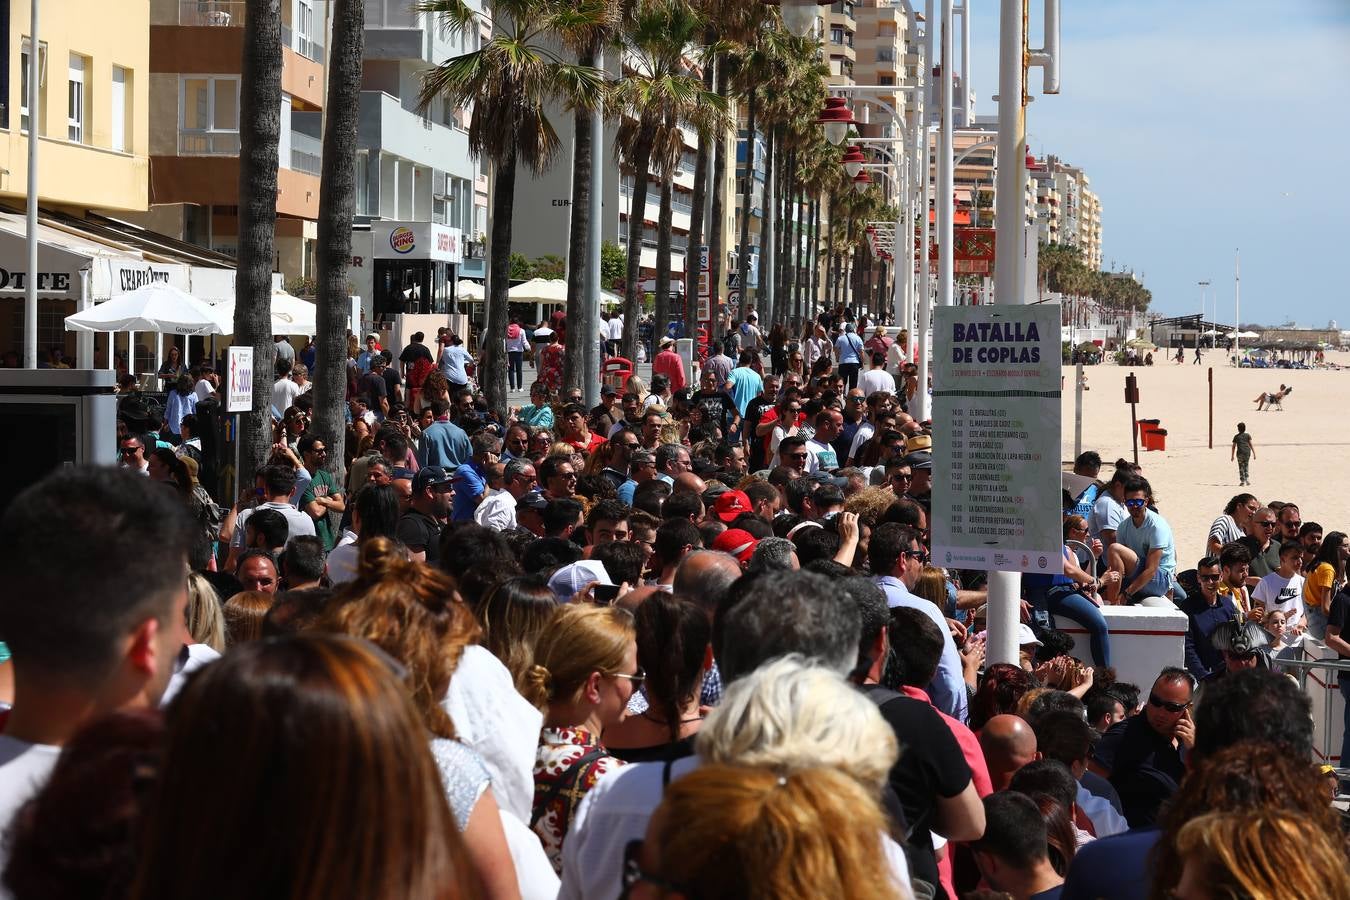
1322 578
1073 594
584 674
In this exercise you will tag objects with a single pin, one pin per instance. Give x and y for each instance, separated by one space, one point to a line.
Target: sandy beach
1299 451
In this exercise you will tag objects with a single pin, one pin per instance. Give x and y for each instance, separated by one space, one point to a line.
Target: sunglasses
129 451
1298 524
637 678
1209 577
1266 524
1155 700
919 555
898 476
1136 502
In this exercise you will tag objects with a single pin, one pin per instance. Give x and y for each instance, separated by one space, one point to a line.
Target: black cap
533 500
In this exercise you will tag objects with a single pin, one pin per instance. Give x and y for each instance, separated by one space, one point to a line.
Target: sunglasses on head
1155 700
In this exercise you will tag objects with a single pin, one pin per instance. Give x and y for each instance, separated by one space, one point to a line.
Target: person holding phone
1149 761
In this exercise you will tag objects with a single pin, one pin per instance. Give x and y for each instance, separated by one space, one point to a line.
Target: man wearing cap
669 364
877 378
921 487
575 577
530 512
730 505
897 559
419 529
367 356
750 334
641 468
738 543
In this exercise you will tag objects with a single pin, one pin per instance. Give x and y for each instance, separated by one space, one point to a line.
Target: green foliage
1063 270
520 267
612 262
550 265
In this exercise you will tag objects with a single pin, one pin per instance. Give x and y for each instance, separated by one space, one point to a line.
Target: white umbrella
470 291
539 290
158 307
1247 335
290 315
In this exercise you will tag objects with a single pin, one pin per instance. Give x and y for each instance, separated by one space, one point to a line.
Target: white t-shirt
821 456
860 437
297 523
616 810
874 380
497 511
24 769
203 389
284 392
1277 592
616 328
1107 515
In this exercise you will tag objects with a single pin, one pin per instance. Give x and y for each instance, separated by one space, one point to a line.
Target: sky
1205 126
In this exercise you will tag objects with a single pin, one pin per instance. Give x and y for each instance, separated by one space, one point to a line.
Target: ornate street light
836 117
861 182
853 161
799 16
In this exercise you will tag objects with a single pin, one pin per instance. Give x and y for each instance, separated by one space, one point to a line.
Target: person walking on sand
1243 451
1197 356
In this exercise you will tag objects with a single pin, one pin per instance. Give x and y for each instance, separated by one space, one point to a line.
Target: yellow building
92 105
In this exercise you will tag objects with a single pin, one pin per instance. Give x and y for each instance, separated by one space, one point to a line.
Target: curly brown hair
1243 778
412 612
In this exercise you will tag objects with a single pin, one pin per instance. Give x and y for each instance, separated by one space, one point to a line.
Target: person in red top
577 432
669 364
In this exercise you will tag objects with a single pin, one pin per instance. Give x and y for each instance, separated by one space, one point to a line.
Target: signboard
996 478
416 240
115 276
239 372
974 251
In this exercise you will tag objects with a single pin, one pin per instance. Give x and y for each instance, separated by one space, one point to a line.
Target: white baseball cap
1026 636
570 579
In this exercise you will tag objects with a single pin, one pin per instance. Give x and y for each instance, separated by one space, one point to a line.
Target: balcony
217 13
208 143
306 153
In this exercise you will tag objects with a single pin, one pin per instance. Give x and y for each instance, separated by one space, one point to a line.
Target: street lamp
835 118
861 182
853 161
799 16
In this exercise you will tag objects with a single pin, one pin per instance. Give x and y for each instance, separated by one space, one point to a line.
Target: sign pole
1211 407
1132 398
1078 411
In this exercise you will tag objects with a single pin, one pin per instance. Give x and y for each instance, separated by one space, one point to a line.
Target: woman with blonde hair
813 833
205 620
514 613
305 734
1259 855
243 616
585 671
412 612
932 586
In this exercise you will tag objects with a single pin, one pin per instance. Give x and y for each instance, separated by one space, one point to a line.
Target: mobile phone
605 594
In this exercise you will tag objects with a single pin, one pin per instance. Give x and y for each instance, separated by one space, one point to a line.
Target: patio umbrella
290 314
158 307
1247 335
470 291
552 290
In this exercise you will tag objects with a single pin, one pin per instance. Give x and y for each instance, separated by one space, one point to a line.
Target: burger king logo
402 240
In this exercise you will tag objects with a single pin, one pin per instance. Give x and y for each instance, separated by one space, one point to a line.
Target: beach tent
158 307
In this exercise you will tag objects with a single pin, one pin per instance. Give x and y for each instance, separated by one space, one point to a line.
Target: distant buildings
1067 210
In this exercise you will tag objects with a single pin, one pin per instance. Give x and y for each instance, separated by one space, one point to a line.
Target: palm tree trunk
743 246
767 302
694 251
663 227
493 345
637 207
718 224
259 137
337 204
580 324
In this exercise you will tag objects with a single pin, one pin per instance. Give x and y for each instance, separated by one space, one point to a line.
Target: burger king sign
402 240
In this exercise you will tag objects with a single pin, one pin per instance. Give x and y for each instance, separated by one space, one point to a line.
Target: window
208 119
77 99
363 184
121 109
390 14
836 35
42 86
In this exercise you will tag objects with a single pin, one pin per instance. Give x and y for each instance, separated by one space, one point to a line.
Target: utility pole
30 304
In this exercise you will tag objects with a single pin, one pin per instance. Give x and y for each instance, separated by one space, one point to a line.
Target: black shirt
754 411
420 532
931 766
1147 771
1338 616
1262 563
413 352
718 408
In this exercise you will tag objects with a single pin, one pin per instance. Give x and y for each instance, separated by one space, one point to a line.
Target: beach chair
1276 400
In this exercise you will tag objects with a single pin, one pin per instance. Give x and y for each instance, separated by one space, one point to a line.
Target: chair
1276 400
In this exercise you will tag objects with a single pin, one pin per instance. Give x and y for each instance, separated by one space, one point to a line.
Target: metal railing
306 153
208 143
219 13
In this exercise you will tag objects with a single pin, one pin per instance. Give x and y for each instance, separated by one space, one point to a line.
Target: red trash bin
1155 439
615 371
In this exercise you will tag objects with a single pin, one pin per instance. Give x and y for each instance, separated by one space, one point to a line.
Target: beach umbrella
158 307
552 290
470 291
1247 335
290 314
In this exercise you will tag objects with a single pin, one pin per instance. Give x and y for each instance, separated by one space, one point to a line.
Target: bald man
689 483
704 577
1008 744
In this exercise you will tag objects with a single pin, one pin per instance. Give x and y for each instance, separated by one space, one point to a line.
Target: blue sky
1205 126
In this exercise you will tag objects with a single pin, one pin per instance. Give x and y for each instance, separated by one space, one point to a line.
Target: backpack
731 344
513 331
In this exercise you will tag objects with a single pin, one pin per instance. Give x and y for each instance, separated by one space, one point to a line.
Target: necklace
655 721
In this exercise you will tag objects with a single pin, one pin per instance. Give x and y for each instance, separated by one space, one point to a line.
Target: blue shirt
948 688
626 491
537 416
444 444
1153 534
453 359
744 385
847 348
1112 868
1201 658
469 486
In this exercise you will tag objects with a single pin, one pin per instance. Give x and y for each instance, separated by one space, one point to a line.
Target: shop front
414 269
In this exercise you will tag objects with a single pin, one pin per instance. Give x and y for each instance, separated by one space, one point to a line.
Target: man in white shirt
1283 588
823 456
278 484
498 509
91 638
286 388
615 333
876 378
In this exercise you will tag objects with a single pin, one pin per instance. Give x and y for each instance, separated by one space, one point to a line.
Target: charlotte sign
996 478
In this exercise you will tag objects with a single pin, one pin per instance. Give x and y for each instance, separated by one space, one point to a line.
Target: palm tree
510 81
337 203
656 94
259 138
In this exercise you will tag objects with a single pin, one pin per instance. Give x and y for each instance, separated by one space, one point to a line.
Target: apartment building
1067 208
195 63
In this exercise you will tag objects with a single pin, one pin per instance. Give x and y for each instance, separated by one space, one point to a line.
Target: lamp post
1204 287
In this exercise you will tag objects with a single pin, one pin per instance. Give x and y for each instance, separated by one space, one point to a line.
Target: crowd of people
688 643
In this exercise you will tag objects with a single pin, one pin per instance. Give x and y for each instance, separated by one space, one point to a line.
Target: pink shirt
669 364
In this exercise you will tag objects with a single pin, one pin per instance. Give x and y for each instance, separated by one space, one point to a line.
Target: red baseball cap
731 504
736 541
